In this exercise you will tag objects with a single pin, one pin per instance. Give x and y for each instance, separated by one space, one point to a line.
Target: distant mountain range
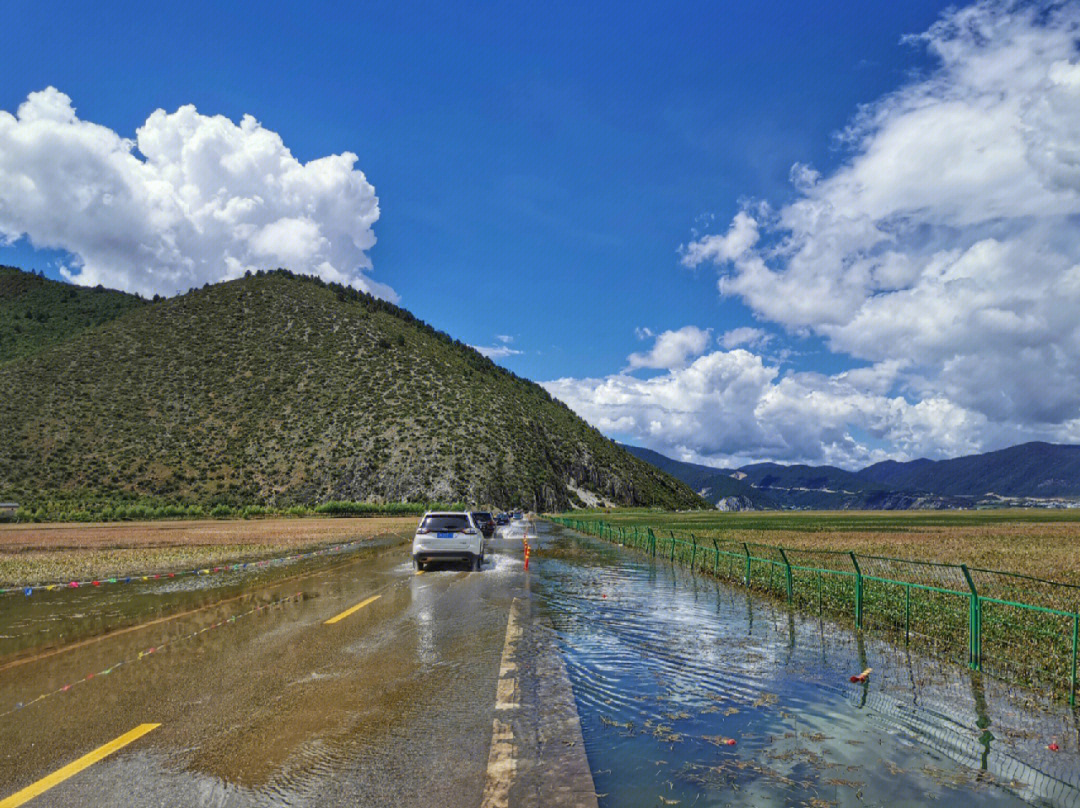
712 484
1029 474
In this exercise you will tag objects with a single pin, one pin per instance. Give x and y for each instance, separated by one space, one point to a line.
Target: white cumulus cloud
732 245
672 349
192 199
940 255
745 336
733 407
943 246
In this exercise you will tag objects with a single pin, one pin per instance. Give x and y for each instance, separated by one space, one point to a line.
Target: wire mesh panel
823 582
768 570
729 564
684 551
1029 645
1026 589
928 604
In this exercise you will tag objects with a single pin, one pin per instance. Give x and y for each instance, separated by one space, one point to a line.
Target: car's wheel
419 564
475 565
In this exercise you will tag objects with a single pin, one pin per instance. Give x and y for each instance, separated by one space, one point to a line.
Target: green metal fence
1017 628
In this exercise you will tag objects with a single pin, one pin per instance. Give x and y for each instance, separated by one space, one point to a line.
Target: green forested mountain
36 312
277 389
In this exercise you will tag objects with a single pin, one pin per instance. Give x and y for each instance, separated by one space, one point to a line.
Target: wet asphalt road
453 688
390 705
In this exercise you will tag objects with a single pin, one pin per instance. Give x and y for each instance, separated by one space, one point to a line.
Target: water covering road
260 702
692 692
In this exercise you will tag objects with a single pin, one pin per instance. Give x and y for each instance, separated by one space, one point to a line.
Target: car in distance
483 520
502 519
448 536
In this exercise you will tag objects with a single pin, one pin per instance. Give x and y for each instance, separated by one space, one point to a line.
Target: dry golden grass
1042 550
1043 544
38 553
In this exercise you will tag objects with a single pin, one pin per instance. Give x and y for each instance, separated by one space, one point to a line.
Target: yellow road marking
59 776
419 572
343 615
65 648
502 757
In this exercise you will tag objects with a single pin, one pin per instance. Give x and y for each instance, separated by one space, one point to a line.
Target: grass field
40 553
1041 543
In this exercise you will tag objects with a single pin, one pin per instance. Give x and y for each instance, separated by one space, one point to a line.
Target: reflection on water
694 693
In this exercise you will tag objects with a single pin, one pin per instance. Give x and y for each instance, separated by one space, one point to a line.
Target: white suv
448 535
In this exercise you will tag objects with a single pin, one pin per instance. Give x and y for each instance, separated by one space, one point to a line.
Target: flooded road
261 702
354 681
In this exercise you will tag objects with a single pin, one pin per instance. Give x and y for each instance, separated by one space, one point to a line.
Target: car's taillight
469 531
421 531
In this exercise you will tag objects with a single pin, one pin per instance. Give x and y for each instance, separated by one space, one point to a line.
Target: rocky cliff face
735 504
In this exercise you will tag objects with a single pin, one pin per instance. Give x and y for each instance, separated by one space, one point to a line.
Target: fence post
907 613
974 629
858 591
1072 681
693 557
787 567
747 551
672 534
716 558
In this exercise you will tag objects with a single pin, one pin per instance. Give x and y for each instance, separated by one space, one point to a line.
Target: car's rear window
446 523
482 515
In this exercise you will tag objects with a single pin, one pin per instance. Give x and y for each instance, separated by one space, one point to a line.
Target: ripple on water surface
692 693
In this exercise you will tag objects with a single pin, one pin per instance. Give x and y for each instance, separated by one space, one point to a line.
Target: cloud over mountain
733 407
941 251
947 239
192 199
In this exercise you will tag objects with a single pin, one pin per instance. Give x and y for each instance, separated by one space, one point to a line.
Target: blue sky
538 167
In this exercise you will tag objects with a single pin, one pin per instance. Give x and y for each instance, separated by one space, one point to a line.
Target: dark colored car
484 522
502 519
